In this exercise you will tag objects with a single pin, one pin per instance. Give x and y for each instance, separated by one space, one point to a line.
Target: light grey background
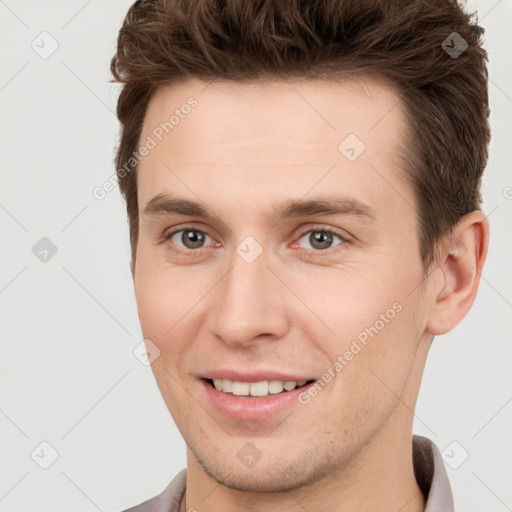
69 326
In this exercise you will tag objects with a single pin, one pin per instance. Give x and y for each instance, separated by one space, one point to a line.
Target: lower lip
252 408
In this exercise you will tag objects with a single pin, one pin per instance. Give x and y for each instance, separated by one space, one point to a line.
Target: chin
253 480
276 475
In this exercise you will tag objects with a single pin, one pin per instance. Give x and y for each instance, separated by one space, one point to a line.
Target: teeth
240 388
262 388
258 388
289 385
275 386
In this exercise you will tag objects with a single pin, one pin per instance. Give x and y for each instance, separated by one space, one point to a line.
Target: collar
431 476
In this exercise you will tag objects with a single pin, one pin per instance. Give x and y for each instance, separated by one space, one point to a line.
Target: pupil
320 240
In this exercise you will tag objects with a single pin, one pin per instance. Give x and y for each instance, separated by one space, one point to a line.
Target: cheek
161 290
345 301
163 304
382 355
371 317
160 306
170 307
152 295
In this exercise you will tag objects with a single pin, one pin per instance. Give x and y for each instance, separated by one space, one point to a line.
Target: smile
255 389
253 401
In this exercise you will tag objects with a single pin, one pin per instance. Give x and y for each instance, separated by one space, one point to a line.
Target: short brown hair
409 43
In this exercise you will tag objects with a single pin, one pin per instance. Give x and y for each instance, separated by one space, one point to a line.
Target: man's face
247 295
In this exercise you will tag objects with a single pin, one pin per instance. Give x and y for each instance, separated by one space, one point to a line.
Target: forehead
273 138
298 112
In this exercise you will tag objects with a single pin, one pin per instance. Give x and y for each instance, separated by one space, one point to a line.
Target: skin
242 149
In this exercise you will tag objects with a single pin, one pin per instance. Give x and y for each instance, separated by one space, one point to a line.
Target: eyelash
314 252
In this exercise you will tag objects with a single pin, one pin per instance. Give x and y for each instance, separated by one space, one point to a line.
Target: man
302 185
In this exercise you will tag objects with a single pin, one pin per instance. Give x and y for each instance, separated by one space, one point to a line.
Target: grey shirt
428 468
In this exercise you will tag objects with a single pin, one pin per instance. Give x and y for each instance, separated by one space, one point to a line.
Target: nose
250 304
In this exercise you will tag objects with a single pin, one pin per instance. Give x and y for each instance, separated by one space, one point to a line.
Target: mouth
254 395
256 390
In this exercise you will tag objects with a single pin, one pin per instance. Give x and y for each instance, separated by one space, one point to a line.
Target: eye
321 239
189 238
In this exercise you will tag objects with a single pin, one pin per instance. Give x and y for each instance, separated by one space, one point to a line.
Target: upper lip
253 375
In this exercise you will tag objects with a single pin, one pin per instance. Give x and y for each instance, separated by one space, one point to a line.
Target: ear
461 261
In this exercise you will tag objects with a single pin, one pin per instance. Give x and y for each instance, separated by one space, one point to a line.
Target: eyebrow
163 204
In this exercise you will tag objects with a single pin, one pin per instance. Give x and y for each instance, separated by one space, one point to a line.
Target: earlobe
461 261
